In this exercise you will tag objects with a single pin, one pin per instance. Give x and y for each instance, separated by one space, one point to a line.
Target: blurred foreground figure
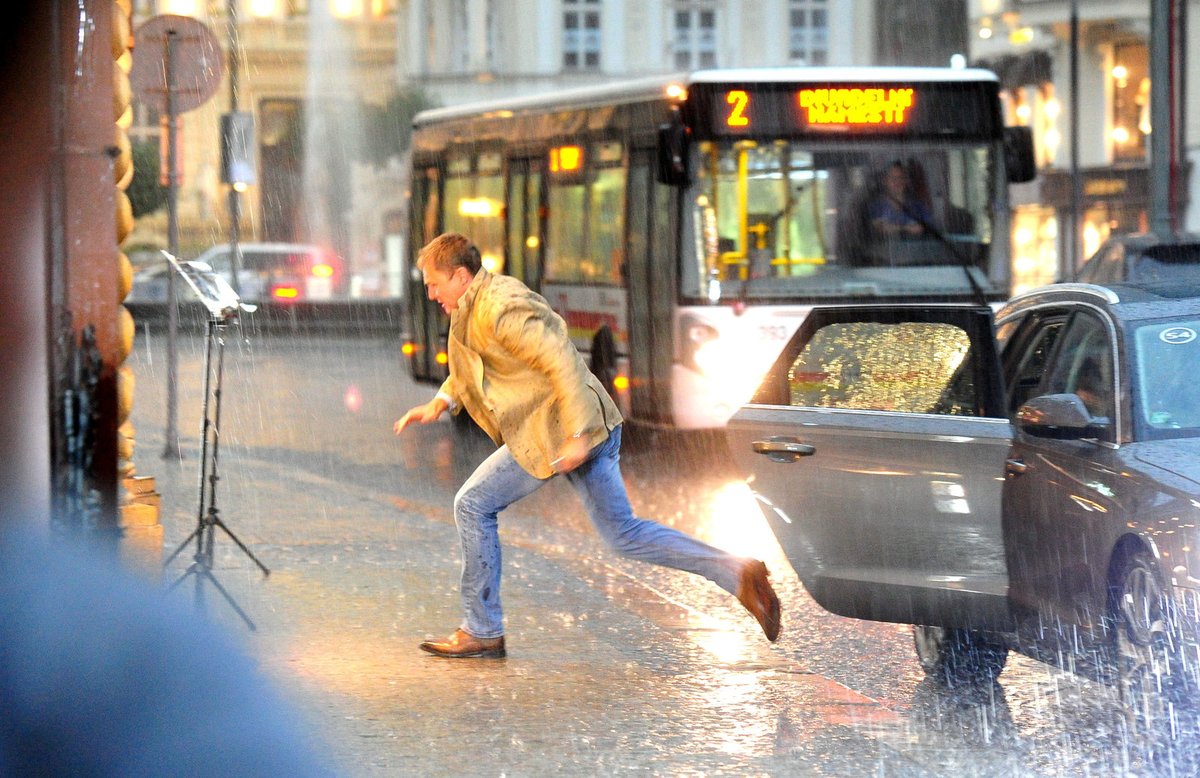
514 369
100 676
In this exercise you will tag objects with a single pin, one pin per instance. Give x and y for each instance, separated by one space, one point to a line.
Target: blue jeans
499 482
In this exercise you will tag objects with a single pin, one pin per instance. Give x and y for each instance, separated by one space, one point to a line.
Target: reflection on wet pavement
613 666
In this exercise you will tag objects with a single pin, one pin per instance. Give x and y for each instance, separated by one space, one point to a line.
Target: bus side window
607 230
516 221
429 222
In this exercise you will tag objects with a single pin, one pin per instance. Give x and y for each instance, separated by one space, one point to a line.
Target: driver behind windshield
897 211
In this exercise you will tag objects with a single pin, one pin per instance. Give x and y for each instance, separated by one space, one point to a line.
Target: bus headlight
697 336
731 364
711 359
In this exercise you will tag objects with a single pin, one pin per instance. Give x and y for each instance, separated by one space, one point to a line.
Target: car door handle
781 449
1015 466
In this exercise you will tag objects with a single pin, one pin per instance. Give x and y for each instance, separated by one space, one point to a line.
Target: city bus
682 226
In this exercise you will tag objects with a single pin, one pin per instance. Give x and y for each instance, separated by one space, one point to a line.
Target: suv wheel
1152 676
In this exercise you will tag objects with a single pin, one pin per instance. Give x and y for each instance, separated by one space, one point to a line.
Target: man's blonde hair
448 252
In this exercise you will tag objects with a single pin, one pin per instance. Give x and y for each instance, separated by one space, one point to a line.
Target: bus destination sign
825 109
848 107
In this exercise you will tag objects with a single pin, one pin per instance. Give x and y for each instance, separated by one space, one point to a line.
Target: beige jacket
514 369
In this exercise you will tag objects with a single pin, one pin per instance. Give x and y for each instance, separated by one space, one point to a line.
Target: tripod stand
208 517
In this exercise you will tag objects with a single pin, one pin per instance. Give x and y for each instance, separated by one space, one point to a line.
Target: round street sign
197 66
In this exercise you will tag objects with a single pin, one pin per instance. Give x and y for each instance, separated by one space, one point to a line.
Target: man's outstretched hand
429 412
571 455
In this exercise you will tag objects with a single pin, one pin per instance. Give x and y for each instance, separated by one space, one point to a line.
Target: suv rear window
1168 262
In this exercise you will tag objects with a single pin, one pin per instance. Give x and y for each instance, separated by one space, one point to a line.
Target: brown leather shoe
755 592
463 645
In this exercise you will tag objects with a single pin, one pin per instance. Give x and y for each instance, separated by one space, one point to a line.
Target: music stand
223 305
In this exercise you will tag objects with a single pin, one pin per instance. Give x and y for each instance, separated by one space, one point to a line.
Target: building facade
307 66
1028 44
469 50
308 73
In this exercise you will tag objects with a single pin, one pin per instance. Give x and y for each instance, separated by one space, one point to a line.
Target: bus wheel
604 357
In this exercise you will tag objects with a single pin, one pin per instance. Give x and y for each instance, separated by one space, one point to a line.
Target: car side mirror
1058 416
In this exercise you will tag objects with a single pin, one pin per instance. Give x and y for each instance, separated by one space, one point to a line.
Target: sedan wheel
1153 680
959 657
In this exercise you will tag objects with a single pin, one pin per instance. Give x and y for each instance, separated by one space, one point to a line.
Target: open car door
876 447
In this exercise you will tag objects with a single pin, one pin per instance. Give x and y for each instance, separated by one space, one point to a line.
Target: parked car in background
1143 258
277 272
1032 485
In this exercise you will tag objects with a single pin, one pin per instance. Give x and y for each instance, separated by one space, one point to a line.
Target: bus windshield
789 220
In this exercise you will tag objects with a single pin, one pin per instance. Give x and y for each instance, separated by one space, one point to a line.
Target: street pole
171 447
1074 233
1162 129
235 203
1178 35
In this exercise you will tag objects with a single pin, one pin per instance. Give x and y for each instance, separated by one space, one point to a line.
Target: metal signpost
178 67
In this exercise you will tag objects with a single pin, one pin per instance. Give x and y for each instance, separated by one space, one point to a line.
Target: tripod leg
194 536
206 426
207 515
202 574
228 598
190 571
217 521
198 590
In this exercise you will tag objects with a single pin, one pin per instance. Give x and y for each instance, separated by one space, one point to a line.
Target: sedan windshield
782 219
1166 393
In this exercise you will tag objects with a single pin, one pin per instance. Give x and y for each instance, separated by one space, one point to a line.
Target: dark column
25 144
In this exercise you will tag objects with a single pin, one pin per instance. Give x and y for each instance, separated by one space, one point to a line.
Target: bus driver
897 211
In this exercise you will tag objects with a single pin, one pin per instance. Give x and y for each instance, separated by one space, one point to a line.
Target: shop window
1035 247
1036 106
1130 76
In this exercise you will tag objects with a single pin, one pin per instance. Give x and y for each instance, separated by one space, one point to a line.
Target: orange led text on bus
564 159
738 101
855 106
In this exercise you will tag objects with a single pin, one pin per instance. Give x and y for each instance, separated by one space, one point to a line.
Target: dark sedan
1029 481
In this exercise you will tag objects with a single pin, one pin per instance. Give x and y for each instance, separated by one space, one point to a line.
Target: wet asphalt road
613 666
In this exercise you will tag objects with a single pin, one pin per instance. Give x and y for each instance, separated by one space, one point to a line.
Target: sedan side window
1083 365
910 367
1032 365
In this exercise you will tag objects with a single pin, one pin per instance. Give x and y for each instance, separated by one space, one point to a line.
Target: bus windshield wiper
963 260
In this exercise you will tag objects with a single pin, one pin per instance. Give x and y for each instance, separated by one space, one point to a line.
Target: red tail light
285 293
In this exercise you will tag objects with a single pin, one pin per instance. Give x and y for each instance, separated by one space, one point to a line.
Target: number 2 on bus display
738 101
